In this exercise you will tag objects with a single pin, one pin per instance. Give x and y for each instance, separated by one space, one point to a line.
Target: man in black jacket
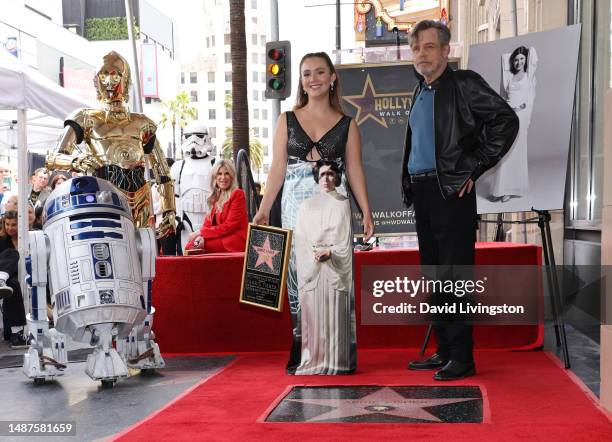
459 127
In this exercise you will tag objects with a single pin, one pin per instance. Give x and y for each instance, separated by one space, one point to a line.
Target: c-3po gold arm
64 158
161 172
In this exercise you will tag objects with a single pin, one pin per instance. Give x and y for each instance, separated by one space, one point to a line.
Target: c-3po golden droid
117 145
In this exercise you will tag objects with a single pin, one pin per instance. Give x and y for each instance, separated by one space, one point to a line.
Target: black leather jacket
474 128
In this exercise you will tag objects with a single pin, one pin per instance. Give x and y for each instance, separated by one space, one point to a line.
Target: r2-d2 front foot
46 357
104 364
140 349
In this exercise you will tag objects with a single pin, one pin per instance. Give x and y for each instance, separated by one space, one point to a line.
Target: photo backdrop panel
536 74
378 97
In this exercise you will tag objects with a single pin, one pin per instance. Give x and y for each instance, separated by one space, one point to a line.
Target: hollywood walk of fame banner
378 97
265 266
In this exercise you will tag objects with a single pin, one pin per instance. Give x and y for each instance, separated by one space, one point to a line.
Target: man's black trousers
446 229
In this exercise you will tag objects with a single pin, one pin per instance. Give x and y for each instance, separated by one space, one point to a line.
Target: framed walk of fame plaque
265 267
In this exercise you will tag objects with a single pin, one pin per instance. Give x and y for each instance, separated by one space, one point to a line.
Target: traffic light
278 69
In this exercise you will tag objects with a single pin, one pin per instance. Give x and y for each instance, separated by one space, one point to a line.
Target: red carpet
527 396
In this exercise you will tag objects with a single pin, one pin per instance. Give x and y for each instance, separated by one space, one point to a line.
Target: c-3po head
113 80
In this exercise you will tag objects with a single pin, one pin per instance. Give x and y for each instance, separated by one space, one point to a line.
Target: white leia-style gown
512 175
325 289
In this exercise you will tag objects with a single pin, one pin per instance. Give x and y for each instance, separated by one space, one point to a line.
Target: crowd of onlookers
41 184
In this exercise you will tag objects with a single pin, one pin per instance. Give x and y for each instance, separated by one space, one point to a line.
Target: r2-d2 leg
46 357
140 349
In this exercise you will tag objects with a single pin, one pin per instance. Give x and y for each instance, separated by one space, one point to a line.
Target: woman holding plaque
318 116
225 226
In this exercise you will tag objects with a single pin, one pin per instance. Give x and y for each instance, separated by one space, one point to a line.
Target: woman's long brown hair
334 95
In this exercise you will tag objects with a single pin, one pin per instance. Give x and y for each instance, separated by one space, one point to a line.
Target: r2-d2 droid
99 269
191 178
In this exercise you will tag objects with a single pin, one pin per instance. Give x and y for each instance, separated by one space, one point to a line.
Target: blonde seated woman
225 226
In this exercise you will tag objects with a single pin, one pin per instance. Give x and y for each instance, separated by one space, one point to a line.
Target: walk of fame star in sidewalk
409 404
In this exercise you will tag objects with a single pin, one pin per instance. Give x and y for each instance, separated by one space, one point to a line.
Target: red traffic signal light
278 69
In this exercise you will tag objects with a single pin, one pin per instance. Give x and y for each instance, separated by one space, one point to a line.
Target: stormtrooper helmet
197 142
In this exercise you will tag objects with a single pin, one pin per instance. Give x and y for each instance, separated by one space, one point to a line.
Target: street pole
274 37
338 36
137 107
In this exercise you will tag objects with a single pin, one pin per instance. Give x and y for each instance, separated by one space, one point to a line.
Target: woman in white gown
511 178
324 259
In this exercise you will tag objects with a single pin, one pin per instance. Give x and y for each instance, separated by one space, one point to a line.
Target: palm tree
255 149
240 105
179 111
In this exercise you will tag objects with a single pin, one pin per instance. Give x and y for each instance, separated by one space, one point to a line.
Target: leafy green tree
256 149
178 112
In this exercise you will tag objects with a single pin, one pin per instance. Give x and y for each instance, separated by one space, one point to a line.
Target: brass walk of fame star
385 401
265 254
365 103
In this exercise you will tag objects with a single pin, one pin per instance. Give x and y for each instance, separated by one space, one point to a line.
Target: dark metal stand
543 222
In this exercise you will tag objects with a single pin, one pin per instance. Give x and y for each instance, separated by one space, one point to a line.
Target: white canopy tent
23 88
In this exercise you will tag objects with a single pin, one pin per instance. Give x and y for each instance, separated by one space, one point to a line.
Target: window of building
211 95
264 114
254 20
212 131
227 39
182 77
255 96
194 96
228 57
265 149
255 76
262 40
254 4
256 114
208 42
255 131
211 77
254 39
193 77
255 57
212 40
228 77
212 114
263 58
264 132
228 114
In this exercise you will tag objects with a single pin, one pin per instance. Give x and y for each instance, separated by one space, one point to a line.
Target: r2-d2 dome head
197 144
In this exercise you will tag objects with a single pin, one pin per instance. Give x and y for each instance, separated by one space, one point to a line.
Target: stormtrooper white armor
100 269
191 178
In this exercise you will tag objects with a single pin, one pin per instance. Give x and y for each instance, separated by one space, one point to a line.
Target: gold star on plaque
366 103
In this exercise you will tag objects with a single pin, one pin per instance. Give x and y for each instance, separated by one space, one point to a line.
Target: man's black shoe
434 361
455 370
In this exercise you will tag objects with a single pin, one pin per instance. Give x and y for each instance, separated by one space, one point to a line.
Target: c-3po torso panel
120 144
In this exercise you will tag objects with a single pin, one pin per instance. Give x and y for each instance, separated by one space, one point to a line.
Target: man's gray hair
444 34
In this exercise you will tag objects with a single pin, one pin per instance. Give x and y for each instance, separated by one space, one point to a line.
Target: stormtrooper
191 178
99 267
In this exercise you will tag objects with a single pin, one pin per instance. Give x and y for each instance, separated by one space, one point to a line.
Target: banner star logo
265 254
385 400
366 103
